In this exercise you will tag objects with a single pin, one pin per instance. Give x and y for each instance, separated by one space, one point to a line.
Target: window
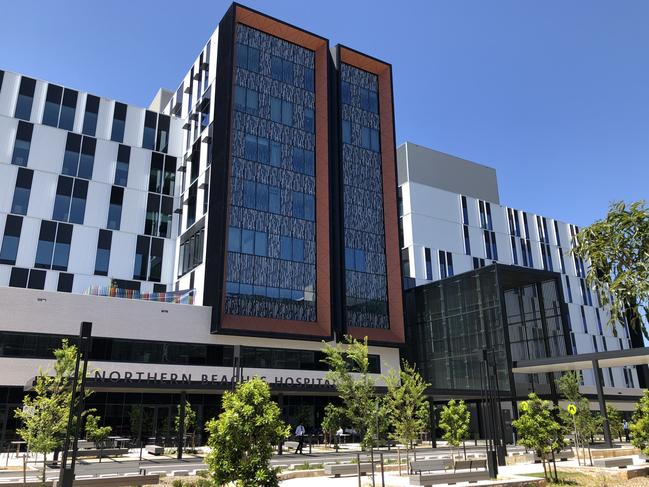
568 289
303 161
191 204
445 264
52 105
158 215
148 136
119 122
556 233
141 257
347 132
293 249
121 168
65 282
60 107
275 154
70 202
102 258
248 57
309 121
247 241
465 211
546 257
18 277
478 263
303 206
25 98
22 144
287 71
79 157
583 319
514 253
309 80
346 92
429 264
90 115
115 208
162 135
354 259
561 262
191 251
10 240
287 113
53 249
20 202
491 248
467 240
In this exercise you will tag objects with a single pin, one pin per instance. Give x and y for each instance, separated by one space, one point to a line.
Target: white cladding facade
80 173
447 233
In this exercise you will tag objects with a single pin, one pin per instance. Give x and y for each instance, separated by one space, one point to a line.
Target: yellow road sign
572 409
525 407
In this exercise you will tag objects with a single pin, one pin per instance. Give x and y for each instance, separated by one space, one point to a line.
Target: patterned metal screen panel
364 230
271 241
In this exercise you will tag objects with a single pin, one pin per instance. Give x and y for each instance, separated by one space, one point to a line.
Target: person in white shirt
299 432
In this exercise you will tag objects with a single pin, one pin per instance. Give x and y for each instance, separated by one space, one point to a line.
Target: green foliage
617 248
94 432
640 424
190 418
614 421
454 420
349 373
334 418
568 385
406 406
537 428
242 438
44 414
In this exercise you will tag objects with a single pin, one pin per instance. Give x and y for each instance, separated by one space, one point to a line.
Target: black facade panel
219 174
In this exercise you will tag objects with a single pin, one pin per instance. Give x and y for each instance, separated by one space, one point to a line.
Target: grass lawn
592 480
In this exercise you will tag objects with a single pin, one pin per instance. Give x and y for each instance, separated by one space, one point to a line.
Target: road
192 463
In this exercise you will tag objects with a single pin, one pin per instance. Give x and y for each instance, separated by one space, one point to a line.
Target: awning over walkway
613 358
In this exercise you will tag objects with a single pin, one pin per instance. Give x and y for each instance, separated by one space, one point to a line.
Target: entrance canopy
613 358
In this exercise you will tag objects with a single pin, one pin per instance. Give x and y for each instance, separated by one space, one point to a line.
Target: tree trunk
44 467
554 462
590 456
545 473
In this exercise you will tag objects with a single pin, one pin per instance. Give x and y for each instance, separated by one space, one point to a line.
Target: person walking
299 432
625 427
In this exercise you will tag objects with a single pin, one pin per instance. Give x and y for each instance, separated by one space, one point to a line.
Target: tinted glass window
62 247
71 155
119 122
162 138
115 208
65 282
36 279
68 109
25 98
52 105
148 137
121 168
18 277
10 240
102 258
62 200
22 144
78 205
141 258
45 244
155 265
21 193
87 160
90 115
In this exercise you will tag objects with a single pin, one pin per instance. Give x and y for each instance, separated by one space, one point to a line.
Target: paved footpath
191 464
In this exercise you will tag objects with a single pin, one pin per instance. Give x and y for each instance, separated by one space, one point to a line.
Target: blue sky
553 94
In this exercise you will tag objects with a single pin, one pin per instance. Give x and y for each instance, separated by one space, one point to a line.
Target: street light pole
66 474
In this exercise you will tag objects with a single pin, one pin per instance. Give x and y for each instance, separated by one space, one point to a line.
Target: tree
94 432
617 248
640 424
538 430
334 418
242 438
588 424
405 404
454 421
44 415
614 421
349 372
190 421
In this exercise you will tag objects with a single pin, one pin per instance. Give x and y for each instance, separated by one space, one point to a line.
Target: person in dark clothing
299 433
